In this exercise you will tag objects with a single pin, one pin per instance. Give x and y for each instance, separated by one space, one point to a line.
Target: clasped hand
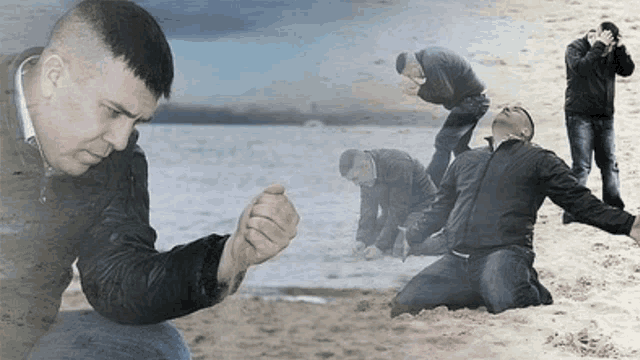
606 37
266 227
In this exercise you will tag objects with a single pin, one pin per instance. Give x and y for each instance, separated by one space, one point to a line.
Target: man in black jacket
487 203
592 63
73 186
390 180
440 76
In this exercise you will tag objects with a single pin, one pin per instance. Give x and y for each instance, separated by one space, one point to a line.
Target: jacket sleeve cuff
208 283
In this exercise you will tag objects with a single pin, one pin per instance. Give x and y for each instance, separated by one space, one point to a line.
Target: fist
266 226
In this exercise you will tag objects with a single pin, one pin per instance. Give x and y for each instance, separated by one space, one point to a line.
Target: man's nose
118 133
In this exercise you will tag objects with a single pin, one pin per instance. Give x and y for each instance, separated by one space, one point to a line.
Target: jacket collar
10 94
26 157
26 124
492 143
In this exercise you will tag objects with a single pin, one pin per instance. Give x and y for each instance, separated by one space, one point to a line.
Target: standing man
73 186
592 63
488 203
392 182
440 76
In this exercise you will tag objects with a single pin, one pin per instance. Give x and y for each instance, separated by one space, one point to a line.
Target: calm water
201 177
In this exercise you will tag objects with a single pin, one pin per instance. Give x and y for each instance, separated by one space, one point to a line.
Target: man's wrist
230 264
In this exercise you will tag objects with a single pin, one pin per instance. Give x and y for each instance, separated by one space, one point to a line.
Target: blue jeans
83 334
593 136
500 280
455 134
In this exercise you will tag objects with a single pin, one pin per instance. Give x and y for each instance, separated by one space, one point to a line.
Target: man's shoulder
389 154
438 51
580 44
436 56
475 153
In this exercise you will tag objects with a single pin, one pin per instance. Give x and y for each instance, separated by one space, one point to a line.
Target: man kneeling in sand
487 203
73 186
392 181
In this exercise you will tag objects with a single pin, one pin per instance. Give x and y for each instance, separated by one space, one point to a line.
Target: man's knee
87 335
510 282
404 303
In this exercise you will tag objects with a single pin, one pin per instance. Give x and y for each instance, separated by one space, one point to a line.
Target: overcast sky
292 53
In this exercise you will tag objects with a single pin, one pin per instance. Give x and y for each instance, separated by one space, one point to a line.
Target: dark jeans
455 134
593 136
500 280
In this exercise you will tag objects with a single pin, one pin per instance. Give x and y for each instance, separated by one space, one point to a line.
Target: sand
593 276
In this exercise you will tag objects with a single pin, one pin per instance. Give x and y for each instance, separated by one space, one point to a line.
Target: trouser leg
580 132
506 279
87 335
445 282
605 157
455 134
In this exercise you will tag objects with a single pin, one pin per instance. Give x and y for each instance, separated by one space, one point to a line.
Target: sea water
201 177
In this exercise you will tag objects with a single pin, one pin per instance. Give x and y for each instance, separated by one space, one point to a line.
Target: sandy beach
594 277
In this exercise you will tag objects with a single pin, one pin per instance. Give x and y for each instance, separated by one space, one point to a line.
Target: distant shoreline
175 114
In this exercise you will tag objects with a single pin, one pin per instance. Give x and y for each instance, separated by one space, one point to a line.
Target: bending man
440 76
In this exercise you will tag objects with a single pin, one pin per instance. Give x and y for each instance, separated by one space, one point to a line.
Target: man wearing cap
440 76
487 203
394 188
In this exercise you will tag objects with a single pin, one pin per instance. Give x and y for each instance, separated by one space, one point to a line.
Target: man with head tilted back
487 204
73 186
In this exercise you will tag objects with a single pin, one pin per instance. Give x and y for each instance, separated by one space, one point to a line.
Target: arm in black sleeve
400 199
581 62
565 191
435 216
369 202
124 278
624 64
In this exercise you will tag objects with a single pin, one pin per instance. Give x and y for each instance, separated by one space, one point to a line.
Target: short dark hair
347 160
608 25
530 121
401 62
129 31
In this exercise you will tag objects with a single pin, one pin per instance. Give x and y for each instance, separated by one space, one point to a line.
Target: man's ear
525 133
53 71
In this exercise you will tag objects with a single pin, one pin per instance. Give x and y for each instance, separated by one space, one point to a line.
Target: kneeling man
391 181
487 202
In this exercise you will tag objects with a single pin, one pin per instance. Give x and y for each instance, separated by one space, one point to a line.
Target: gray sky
293 53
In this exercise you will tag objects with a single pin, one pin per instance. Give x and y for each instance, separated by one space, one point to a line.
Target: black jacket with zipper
490 199
591 77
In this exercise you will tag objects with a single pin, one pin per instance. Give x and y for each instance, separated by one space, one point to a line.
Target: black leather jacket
450 77
100 218
591 77
490 199
402 186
